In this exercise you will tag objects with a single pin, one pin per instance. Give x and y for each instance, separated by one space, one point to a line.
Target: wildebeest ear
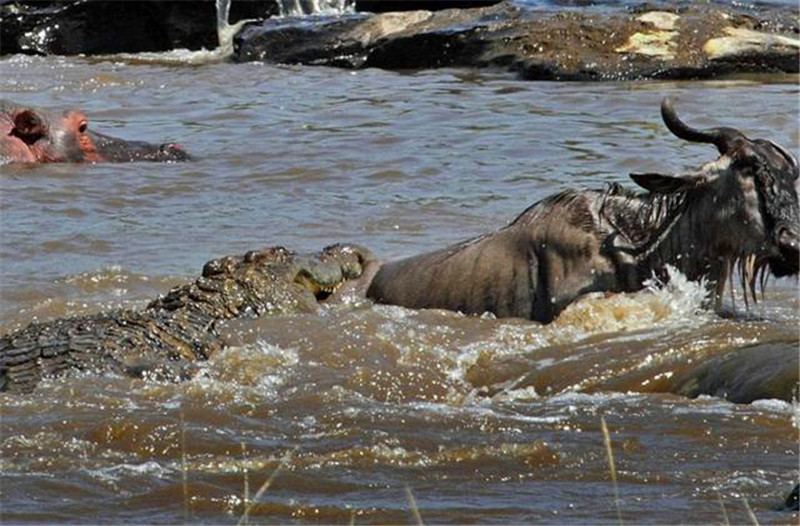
664 184
28 125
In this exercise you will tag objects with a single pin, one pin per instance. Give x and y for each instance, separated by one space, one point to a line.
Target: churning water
484 420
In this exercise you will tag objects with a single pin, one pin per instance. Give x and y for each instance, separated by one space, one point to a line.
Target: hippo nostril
174 152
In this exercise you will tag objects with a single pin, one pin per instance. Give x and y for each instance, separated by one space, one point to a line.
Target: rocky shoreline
687 42
101 27
692 43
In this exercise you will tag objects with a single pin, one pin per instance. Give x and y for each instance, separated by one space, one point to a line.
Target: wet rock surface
747 374
382 6
637 43
792 502
691 42
742 375
106 26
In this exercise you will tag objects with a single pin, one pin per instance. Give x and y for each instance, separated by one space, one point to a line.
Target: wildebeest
740 212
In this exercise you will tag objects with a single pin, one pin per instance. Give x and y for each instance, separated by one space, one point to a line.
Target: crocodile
167 338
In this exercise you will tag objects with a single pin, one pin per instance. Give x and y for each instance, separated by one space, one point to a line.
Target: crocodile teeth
330 289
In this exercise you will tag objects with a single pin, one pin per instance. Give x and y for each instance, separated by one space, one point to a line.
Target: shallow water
484 420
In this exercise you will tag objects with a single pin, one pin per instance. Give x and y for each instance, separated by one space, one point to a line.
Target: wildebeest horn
722 138
786 155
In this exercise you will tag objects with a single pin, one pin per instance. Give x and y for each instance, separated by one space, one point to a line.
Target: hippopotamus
29 135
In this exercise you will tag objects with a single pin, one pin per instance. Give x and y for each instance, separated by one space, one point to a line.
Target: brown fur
741 208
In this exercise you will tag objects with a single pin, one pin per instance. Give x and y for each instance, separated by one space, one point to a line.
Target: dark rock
792 502
697 42
396 40
107 26
769 370
741 376
386 6
301 41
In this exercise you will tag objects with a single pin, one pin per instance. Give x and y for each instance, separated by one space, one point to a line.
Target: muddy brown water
484 420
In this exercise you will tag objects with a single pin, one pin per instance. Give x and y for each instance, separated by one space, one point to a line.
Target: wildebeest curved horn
788 156
722 138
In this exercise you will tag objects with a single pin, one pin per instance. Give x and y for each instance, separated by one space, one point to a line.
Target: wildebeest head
751 198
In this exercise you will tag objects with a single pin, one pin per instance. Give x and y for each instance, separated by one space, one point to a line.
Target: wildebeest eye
747 158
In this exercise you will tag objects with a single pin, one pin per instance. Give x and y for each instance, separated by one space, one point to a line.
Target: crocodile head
325 273
273 280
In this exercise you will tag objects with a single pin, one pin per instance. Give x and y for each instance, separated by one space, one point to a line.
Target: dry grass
749 510
412 503
724 511
246 488
250 503
265 486
611 466
183 469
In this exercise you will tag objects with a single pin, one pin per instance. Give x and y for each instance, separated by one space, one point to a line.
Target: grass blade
724 511
412 503
265 486
184 479
750 514
611 466
246 489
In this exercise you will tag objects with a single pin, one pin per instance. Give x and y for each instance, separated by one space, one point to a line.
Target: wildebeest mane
644 219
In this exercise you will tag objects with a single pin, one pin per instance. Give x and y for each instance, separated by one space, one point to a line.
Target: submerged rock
792 502
695 42
751 373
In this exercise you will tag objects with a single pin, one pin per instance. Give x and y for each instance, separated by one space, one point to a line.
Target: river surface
346 414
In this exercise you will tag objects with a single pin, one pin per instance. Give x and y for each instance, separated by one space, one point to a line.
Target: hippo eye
83 126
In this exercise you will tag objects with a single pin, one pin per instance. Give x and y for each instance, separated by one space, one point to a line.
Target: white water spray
225 31
225 34
223 14
315 7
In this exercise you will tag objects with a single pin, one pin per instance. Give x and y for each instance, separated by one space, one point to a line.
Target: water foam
260 365
679 302
289 8
178 57
622 316
186 57
226 32
117 472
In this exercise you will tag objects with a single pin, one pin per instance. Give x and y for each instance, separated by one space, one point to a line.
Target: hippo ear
666 184
28 125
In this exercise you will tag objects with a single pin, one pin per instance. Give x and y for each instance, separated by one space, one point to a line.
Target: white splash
315 7
116 472
657 307
178 57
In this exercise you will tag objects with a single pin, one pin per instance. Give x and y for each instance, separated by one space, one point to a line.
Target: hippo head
28 135
118 150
